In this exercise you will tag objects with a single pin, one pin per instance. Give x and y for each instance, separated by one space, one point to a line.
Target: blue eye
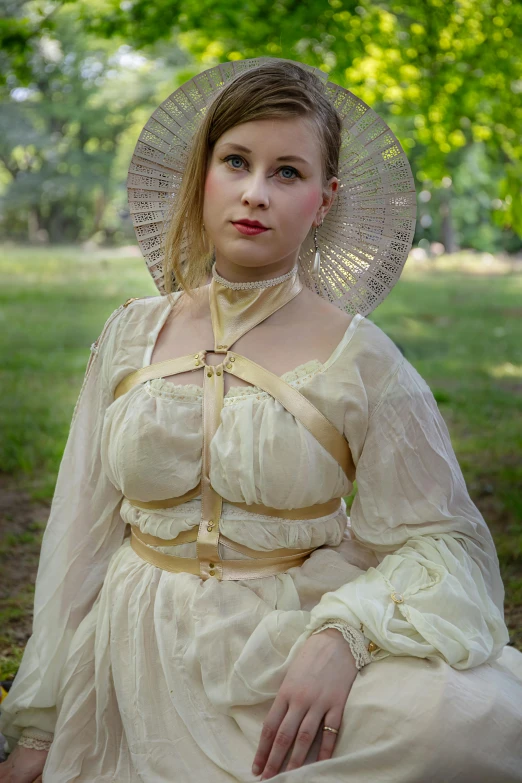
288 168
230 158
233 157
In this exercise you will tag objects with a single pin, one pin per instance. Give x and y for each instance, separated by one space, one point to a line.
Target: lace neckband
254 283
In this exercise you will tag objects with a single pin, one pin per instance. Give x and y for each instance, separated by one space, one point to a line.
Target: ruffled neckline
192 392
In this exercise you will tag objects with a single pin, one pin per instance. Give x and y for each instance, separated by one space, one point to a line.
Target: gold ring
329 728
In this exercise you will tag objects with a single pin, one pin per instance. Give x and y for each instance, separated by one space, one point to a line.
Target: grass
53 304
457 320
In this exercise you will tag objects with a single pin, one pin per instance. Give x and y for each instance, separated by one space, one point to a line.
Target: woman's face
268 171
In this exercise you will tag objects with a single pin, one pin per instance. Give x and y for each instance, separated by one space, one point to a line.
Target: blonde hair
278 89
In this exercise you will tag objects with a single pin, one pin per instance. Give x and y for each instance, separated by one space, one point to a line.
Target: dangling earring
316 268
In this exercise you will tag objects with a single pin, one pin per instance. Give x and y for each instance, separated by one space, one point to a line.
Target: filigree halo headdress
363 243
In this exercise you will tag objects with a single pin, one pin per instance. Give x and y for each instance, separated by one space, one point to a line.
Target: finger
270 726
282 741
306 734
333 719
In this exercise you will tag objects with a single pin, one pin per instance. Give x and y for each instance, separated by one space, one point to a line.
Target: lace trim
159 387
355 639
35 733
35 744
254 283
32 731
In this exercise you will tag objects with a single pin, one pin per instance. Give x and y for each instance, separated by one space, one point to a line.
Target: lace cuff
36 739
355 639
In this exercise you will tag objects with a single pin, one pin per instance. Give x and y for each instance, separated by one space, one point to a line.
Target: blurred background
78 81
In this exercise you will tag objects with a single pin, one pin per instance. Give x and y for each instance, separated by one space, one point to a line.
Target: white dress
152 676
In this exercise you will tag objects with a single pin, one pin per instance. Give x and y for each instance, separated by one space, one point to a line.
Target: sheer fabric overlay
135 669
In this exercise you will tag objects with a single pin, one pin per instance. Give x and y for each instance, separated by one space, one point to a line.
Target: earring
316 267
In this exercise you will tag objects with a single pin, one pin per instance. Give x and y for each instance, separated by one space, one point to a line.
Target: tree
61 133
446 75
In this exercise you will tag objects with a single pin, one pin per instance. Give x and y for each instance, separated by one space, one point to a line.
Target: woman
271 639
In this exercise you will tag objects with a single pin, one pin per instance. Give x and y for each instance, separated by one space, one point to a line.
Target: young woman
246 629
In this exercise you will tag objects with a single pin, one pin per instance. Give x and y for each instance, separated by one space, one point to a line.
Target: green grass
461 331
53 304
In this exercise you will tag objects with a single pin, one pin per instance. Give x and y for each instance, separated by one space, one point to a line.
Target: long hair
279 89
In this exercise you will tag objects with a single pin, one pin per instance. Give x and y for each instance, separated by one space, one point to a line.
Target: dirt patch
497 517
22 522
513 619
17 509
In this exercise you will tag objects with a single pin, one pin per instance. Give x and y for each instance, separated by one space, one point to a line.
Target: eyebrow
282 157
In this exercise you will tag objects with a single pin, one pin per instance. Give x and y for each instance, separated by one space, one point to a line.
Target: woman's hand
23 765
313 694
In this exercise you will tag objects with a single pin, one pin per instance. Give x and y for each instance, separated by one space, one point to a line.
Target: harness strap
306 512
211 501
158 370
229 569
189 536
208 562
290 398
298 405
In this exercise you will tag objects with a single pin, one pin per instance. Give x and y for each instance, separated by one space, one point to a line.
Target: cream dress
146 675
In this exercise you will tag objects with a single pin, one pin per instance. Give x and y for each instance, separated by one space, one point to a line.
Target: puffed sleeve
83 531
437 590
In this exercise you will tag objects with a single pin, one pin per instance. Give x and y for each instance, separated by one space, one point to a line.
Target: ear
329 194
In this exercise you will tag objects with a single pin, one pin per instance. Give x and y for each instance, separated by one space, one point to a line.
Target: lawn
456 319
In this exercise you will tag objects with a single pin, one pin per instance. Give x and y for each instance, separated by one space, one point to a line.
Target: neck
237 307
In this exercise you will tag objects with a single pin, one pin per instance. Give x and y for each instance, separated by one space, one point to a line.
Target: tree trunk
100 204
33 225
448 233
61 228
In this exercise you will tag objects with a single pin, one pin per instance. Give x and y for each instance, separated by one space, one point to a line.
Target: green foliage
62 134
9 664
446 76
14 610
57 141
447 73
21 26
53 304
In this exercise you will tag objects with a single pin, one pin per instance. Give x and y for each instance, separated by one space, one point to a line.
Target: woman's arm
437 590
83 531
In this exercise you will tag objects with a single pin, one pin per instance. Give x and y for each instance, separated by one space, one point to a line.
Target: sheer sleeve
437 590
83 531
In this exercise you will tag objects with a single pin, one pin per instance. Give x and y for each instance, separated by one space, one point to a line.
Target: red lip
253 223
249 231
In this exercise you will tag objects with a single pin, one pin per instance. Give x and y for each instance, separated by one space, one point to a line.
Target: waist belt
259 564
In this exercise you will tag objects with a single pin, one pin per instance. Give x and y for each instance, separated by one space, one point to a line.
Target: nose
255 193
